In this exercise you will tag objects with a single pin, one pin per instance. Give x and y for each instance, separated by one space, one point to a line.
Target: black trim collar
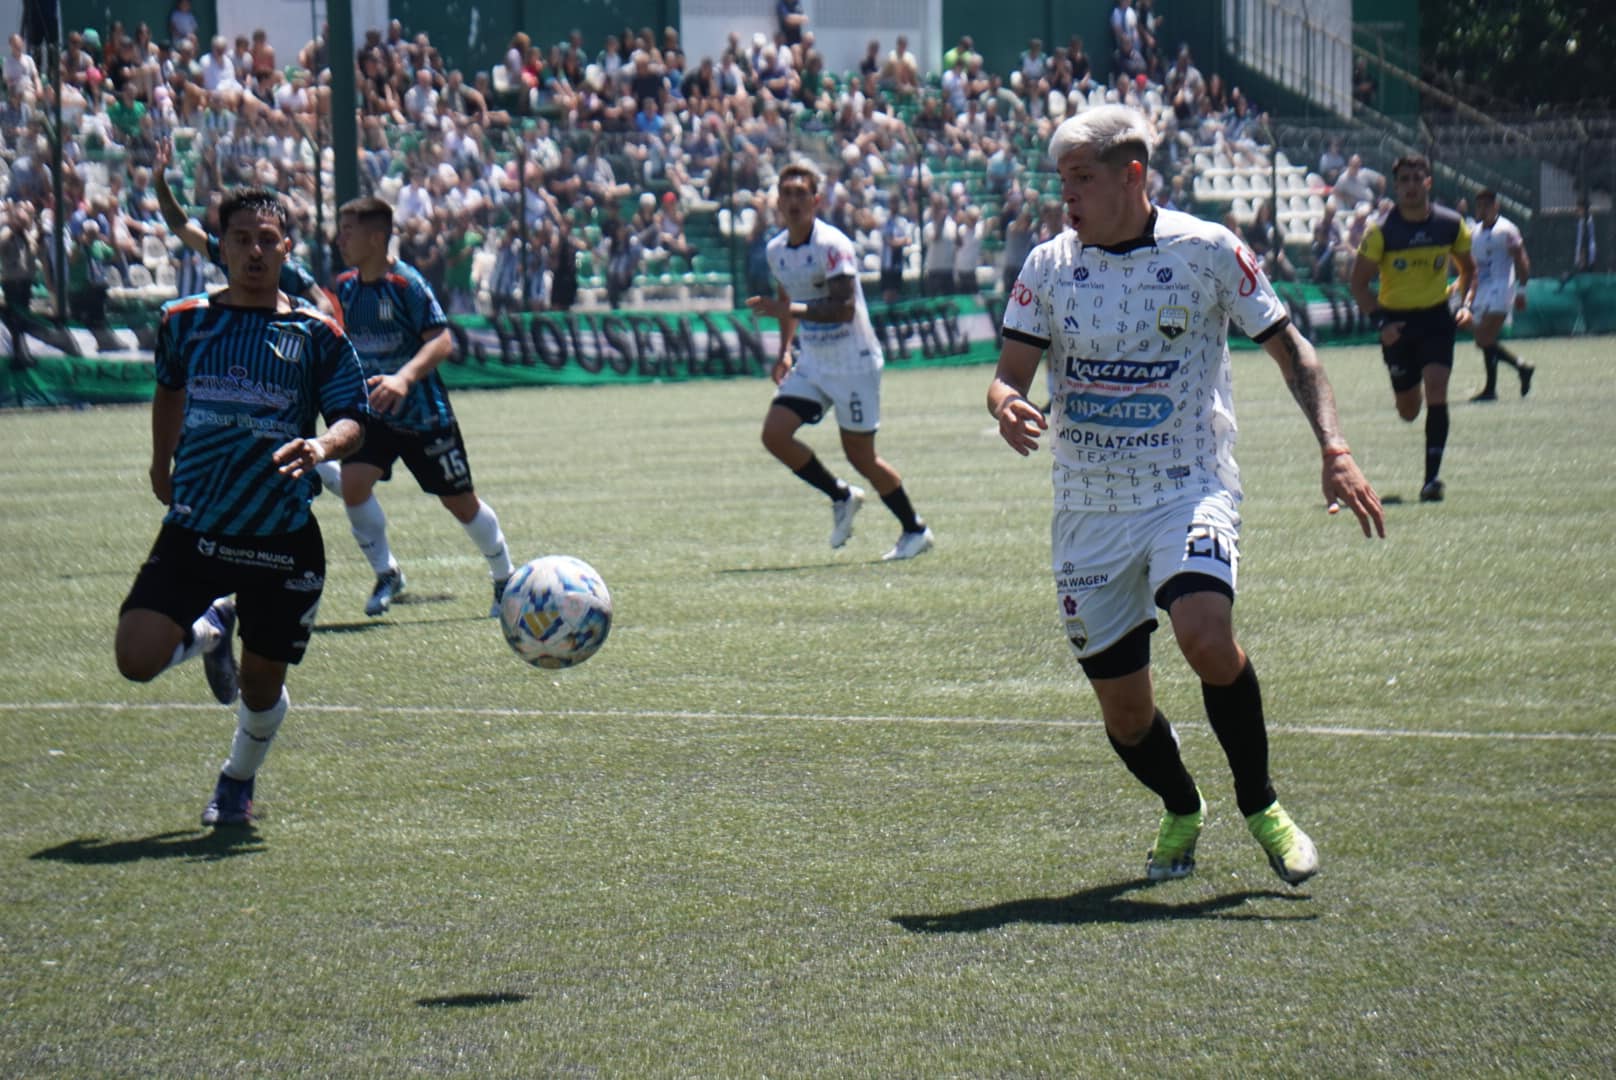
1143 240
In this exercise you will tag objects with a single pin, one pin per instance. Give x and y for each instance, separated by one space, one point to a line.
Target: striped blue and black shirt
387 319
253 379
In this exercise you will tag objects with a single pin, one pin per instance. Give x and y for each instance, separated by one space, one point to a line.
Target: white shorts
1494 298
856 397
1109 567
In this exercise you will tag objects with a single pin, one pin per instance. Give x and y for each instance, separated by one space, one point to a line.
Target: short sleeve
840 258
1026 315
169 368
1252 303
1373 244
1461 242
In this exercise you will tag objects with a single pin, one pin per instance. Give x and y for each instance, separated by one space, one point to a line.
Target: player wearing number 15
1133 306
402 336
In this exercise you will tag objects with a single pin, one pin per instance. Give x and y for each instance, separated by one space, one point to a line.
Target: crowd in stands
616 174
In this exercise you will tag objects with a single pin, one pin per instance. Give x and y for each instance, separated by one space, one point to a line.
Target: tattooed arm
1343 483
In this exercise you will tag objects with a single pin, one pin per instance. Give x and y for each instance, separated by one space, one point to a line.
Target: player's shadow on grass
198 845
1102 904
471 1001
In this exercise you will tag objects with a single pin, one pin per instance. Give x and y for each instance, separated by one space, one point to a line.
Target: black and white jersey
1142 407
805 271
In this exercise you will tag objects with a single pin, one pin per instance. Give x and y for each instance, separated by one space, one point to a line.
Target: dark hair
1411 161
256 200
1486 194
369 211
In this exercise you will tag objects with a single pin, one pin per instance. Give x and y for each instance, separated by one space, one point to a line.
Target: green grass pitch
808 814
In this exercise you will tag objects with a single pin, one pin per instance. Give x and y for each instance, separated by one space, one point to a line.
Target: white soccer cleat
910 544
842 512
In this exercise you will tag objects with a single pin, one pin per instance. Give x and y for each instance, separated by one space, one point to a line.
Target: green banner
615 347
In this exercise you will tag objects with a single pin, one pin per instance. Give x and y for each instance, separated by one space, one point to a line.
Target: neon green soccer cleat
1290 852
1173 856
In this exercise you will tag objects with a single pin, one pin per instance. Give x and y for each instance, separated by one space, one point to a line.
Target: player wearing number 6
816 267
402 336
1133 306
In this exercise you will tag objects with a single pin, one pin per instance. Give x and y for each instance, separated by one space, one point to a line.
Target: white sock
330 475
204 636
254 730
369 526
484 532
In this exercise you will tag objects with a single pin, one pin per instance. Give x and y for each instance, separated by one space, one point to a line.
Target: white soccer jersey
804 272
1142 411
1493 247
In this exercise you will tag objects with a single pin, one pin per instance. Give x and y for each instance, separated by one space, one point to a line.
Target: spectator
622 254
20 266
421 102
1585 256
1126 55
960 53
1358 184
870 64
23 88
968 248
940 236
89 275
1363 84
181 21
1263 238
563 260
1034 62
670 225
1326 247
792 21
1331 161
218 70
1019 237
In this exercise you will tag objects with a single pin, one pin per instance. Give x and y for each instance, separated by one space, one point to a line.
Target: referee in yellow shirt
1412 249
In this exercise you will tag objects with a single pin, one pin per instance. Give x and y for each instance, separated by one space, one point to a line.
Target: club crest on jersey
1172 321
288 341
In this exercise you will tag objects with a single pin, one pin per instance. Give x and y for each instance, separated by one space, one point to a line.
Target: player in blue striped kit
242 376
402 336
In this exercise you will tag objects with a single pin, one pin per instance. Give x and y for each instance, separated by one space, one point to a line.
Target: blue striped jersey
295 277
386 319
253 379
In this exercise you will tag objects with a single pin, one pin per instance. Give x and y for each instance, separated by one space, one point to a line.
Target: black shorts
436 458
1426 338
277 581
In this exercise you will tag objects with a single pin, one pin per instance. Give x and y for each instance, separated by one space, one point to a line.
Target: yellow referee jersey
1414 256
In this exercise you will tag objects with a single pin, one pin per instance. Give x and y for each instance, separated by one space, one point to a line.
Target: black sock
1436 439
1155 761
897 501
816 475
1236 715
1489 359
1506 356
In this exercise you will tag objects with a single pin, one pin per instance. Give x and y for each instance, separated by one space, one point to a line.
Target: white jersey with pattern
1142 409
1493 247
804 271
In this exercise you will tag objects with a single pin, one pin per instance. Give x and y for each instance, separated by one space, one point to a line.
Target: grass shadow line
793 569
471 1001
199 845
1101 904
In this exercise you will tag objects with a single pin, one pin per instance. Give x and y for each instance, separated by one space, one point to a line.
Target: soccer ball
556 611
